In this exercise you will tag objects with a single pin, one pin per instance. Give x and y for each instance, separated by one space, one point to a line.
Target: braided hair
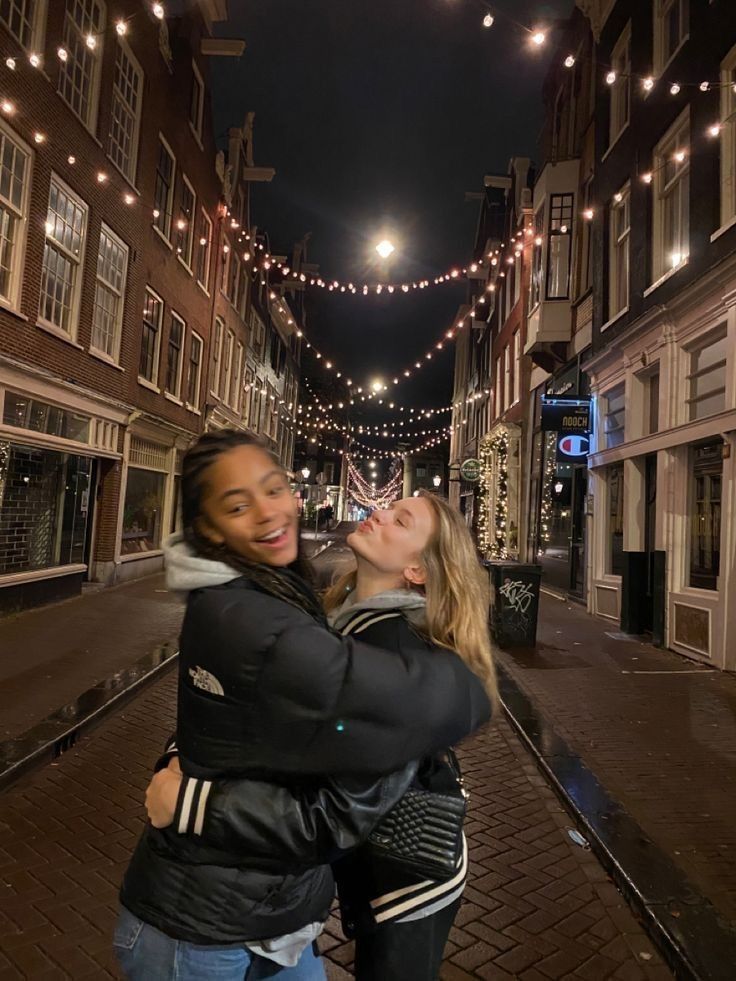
290 585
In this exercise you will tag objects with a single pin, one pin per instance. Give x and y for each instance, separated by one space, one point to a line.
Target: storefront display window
40 417
44 508
706 477
142 513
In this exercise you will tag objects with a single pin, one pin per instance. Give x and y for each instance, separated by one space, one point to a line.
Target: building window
204 246
271 421
14 174
707 377
185 223
499 387
163 193
585 280
231 290
217 355
506 378
620 229
254 419
236 383
112 270
175 355
153 312
79 73
535 286
227 366
706 478
672 200
670 29
621 88
517 366
247 395
614 423
194 373
22 412
125 117
142 511
518 260
728 138
44 508
66 230
615 519
652 403
23 18
560 244
196 104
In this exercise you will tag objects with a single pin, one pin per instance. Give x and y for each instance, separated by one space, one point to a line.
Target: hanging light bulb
611 78
648 84
34 59
538 38
121 27
570 61
674 88
62 53
488 20
91 42
158 10
7 107
10 63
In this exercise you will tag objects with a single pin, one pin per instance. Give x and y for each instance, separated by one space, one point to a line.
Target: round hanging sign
470 470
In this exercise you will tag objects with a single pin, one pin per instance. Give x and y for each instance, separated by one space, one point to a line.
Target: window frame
167 213
21 217
217 347
131 175
660 9
207 250
174 316
517 366
37 29
619 242
670 143
194 406
186 260
536 280
74 307
564 231
620 91
142 380
118 335
728 138
615 393
93 99
717 336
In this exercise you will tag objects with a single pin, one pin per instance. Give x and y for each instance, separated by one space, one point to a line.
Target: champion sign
574 445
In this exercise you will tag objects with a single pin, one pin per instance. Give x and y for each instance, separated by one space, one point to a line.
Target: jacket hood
186 571
411 603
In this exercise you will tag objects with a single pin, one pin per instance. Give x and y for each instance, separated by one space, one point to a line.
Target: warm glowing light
158 10
35 59
569 61
39 137
648 84
91 42
674 88
62 53
156 213
129 198
71 159
538 38
101 176
677 259
705 86
488 20
181 224
121 27
618 197
7 107
385 248
589 214
647 178
714 130
10 63
611 78
680 156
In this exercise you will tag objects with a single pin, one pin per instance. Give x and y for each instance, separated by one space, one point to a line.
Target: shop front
50 459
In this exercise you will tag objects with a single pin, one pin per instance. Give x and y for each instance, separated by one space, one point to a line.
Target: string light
10 63
121 27
538 38
62 53
158 11
488 20
569 61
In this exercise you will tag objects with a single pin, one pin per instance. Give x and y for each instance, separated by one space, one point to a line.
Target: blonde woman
417 586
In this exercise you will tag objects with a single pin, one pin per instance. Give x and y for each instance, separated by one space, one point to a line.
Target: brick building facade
109 218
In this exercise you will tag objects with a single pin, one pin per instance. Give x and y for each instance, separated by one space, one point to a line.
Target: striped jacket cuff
191 806
163 761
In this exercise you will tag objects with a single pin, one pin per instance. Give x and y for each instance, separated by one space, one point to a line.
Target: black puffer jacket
267 691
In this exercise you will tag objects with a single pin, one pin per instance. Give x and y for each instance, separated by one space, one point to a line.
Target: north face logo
206 681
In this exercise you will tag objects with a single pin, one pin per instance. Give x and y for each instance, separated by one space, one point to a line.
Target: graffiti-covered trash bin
514 603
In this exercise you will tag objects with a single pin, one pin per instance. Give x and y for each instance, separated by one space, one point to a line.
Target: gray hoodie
412 604
186 571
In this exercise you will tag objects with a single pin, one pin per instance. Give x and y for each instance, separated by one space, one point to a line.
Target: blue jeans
146 954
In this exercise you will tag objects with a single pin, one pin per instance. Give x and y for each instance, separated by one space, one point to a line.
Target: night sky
379 117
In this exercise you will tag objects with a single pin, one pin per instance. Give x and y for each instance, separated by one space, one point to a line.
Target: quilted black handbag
423 833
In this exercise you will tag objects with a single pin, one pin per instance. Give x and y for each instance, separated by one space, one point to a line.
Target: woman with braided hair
267 691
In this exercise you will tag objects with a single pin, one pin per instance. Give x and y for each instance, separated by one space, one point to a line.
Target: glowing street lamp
377 385
437 480
385 248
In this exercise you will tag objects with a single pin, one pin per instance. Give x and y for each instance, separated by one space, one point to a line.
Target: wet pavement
644 744
53 654
538 906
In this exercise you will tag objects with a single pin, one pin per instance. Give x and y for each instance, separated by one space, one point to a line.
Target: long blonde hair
457 591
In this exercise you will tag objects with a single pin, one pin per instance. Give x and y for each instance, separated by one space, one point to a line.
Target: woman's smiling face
248 506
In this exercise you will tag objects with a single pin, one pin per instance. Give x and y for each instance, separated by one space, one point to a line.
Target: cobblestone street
537 906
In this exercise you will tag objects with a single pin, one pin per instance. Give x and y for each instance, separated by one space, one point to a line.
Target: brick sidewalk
537 907
657 730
